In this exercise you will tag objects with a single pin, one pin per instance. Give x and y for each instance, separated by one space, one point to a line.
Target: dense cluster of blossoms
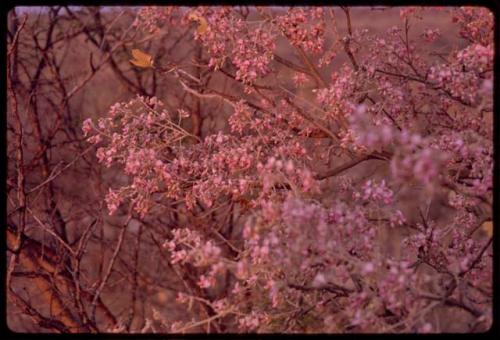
152 18
142 136
476 24
304 261
464 77
304 28
226 37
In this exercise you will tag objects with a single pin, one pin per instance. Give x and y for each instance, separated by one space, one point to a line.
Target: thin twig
110 267
477 258
344 167
53 176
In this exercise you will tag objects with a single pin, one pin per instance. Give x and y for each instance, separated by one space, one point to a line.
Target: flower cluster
476 24
375 191
252 57
416 159
304 28
153 18
368 132
296 251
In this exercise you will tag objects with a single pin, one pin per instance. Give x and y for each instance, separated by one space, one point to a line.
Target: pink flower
87 126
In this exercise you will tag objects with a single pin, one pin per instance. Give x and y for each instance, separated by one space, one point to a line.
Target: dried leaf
141 59
202 23
487 227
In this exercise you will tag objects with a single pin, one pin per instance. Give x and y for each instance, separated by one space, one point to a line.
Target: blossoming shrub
279 233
